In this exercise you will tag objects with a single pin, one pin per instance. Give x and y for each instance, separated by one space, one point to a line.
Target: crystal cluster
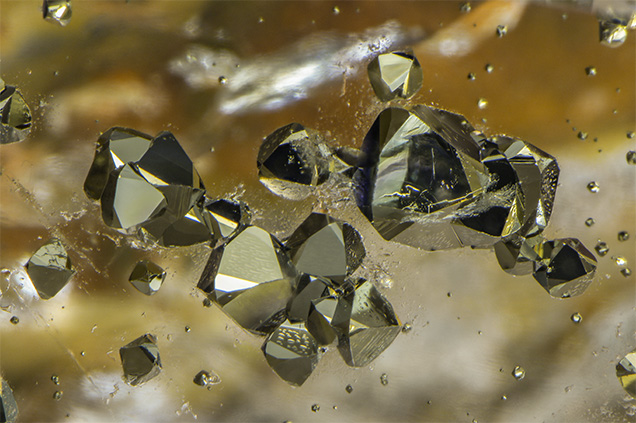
15 115
50 269
140 360
300 295
149 186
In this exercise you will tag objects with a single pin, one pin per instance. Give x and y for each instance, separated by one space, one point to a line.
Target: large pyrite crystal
8 406
15 115
140 360
150 186
324 246
252 278
50 269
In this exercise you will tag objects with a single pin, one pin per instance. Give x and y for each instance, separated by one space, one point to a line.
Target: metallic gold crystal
140 360
8 405
309 288
147 277
626 373
15 116
57 11
50 269
395 74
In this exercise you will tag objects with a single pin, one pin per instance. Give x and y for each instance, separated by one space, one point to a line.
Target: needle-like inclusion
140 360
395 74
15 115
50 269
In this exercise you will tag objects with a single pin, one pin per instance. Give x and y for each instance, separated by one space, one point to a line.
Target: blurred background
221 75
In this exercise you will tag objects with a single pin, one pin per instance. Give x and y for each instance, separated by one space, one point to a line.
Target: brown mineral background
111 66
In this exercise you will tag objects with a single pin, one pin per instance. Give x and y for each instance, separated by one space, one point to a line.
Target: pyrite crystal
150 186
626 373
57 11
140 360
15 116
293 159
50 269
292 352
366 323
327 247
229 216
147 277
251 277
8 406
395 74
309 288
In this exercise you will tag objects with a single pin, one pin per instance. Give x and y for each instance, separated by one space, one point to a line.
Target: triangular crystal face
140 360
147 277
57 11
50 269
626 373
395 74
15 115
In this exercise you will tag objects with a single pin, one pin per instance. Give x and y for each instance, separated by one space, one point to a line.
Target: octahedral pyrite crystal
147 277
50 269
229 216
15 116
150 186
58 11
308 289
395 74
292 352
140 360
366 323
8 406
626 373
324 246
252 278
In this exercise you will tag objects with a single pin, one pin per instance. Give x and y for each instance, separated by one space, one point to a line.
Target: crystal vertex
58 11
626 373
8 406
147 277
15 116
566 268
293 159
309 288
228 216
251 277
327 247
366 323
395 74
292 352
140 360
50 269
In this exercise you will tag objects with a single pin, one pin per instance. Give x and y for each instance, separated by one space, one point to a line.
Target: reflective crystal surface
150 186
251 278
319 321
140 360
518 256
395 74
50 269
292 352
228 216
57 11
8 406
366 323
309 288
626 373
147 277
15 115
324 246
293 159
566 268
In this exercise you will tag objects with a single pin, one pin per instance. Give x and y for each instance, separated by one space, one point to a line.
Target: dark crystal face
50 269
395 74
140 360
15 115
147 277
626 373
8 405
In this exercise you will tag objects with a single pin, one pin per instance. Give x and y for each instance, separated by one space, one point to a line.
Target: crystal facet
395 74
58 11
15 116
251 278
324 246
309 288
140 360
228 216
566 267
293 159
626 373
147 277
50 269
366 323
292 352
8 406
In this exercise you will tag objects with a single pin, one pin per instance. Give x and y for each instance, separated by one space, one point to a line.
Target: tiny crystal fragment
631 157
55 379
206 378
367 324
465 7
8 406
292 352
15 116
620 261
502 30
327 247
349 389
576 317
582 135
612 32
50 269
626 373
252 278
601 248
593 187
482 103
626 271
566 267
293 159
519 373
471 76
489 68
590 71
147 277
14 320
57 11
395 74
57 395
623 236
589 221
315 408
384 379
140 360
